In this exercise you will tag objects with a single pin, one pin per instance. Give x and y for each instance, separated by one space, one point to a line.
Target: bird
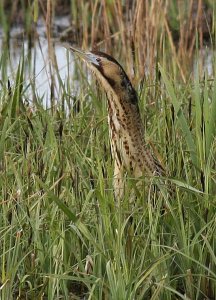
130 152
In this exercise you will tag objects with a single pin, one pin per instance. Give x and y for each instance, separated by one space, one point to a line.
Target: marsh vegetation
61 235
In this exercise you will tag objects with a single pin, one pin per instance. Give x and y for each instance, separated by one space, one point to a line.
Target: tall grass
61 234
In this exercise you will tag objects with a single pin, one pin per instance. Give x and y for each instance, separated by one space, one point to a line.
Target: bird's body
129 150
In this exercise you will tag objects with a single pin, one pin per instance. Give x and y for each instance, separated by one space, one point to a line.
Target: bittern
130 152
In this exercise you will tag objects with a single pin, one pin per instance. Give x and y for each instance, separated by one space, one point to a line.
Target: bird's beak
86 56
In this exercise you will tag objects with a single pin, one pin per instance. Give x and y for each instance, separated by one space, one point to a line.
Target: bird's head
109 72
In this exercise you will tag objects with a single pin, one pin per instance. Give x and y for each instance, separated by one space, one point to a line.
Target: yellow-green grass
57 204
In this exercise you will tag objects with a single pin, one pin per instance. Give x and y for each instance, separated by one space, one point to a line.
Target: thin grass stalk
106 26
50 51
174 51
94 24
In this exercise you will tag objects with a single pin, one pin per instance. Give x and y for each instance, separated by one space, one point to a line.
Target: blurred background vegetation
142 28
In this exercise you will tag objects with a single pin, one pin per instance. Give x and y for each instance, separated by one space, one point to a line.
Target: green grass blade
53 198
181 118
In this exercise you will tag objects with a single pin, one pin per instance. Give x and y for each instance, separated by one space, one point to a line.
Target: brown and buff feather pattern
130 152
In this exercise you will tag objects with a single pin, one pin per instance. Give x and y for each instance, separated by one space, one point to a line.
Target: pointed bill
86 56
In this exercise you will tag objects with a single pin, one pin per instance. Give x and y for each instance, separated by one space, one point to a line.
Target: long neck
126 129
127 137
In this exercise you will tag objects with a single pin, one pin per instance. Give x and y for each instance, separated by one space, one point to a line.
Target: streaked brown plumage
129 150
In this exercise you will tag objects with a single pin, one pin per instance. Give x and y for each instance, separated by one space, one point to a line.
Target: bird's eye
98 59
